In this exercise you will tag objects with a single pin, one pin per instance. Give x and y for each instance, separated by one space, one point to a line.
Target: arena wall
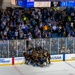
8 3
21 60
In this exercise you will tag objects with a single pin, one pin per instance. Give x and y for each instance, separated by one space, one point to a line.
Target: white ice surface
56 68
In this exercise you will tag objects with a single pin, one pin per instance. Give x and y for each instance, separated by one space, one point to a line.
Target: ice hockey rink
56 68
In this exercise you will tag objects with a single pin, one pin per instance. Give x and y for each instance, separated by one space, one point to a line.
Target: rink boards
20 60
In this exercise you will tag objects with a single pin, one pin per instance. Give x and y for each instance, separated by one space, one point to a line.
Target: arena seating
30 23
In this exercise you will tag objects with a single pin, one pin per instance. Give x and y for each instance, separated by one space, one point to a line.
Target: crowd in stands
43 23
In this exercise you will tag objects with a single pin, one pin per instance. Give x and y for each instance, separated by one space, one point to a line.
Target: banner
42 4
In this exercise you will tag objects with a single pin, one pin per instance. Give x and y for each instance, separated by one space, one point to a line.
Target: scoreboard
44 3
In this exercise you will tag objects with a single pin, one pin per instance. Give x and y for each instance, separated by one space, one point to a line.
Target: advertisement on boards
69 57
19 60
5 61
57 57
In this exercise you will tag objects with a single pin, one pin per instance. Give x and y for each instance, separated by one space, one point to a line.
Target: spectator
42 23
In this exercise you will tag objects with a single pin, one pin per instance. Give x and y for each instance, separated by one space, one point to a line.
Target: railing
14 48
